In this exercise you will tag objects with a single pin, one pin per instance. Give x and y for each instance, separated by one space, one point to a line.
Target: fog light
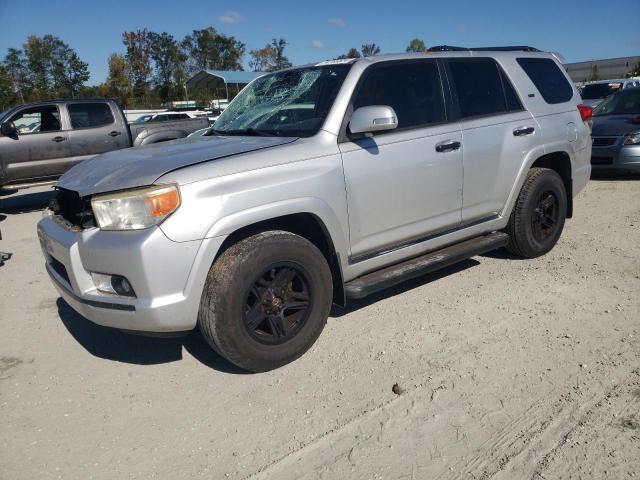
113 284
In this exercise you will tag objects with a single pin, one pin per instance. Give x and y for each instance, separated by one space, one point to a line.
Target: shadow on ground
11 201
112 344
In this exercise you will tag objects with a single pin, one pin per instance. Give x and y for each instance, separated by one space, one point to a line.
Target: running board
416 267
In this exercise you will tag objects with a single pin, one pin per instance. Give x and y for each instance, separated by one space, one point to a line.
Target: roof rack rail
449 48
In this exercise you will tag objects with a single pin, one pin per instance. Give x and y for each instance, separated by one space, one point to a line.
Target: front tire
538 216
266 300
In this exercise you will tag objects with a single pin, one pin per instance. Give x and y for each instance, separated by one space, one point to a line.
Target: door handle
115 134
522 131
58 139
448 146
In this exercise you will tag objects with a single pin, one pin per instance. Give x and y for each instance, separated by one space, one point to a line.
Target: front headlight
632 138
135 209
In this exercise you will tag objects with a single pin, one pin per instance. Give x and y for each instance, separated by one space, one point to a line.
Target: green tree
352 53
118 84
635 72
38 52
280 60
416 45
138 55
270 58
206 49
261 59
594 73
68 72
170 63
45 67
8 94
370 49
15 66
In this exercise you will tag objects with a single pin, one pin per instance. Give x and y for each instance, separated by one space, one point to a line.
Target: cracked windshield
293 103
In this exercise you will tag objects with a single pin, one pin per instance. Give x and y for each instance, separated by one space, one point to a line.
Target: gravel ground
505 369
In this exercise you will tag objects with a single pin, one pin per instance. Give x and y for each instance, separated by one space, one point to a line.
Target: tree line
152 70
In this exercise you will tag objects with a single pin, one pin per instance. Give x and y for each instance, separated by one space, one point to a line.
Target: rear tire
538 216
266 300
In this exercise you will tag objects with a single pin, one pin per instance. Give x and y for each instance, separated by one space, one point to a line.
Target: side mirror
8 129
375 118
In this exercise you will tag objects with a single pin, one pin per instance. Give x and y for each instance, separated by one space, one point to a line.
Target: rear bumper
167 276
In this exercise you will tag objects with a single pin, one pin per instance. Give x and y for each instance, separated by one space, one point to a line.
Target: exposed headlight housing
135 209
632 138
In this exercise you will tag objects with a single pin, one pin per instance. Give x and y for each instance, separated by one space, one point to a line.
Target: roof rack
449 48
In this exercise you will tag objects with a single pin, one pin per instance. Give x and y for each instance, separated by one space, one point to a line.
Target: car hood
614 125
141 166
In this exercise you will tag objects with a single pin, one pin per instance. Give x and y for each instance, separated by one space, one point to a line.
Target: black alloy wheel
545 216
277 304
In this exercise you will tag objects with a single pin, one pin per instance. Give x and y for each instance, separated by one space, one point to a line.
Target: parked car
41 141
318 185
143 118
593 93
616 132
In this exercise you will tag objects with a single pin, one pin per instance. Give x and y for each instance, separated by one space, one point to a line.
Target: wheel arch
560 162
305 224
162 136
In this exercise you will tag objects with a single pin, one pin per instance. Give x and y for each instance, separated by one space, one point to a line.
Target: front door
39 148
404 184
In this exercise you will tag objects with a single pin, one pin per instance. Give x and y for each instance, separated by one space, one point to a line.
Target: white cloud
318 45
230 17
338 22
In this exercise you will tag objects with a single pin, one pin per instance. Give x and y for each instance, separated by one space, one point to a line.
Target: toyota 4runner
320 184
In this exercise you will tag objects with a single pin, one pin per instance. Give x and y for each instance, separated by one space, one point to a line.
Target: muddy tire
538 216
266 300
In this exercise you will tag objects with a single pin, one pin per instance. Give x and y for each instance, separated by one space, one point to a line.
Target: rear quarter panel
560 125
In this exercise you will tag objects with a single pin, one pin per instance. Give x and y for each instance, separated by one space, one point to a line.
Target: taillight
586 112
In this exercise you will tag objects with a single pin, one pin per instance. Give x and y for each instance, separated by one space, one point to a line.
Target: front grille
59 268
72 208
601 160
603 141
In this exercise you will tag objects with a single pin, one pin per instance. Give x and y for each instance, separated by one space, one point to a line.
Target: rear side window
87 115
548 79
412 89
482 88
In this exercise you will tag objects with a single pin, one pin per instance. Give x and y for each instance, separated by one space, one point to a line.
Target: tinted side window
86 115
548 79
513 102
478 86
37 119
412 89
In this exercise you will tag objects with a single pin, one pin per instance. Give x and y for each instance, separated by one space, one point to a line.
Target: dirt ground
507 369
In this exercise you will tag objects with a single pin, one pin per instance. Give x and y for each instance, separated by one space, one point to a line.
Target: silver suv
320 184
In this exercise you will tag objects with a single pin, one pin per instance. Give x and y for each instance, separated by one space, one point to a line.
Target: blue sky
316 30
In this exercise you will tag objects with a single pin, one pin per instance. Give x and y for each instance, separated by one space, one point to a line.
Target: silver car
319 185
616 132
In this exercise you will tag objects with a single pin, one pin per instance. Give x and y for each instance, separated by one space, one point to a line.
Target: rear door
94 130
41 146
402 184
497 133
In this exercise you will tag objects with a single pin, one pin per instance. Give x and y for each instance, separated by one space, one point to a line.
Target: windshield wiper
249 132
